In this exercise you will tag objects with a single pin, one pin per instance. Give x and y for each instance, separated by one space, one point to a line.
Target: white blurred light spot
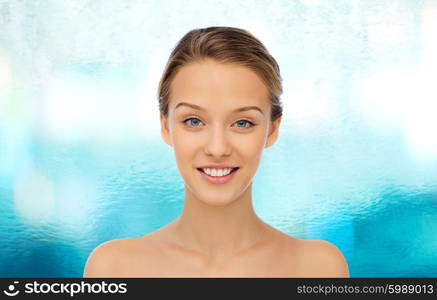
310 105
420 121
74 109
406 100
76 203
383 97
34 197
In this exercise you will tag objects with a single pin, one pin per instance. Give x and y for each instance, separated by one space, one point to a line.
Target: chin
216 198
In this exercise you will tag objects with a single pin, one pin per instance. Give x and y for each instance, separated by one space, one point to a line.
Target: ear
273 132
165 133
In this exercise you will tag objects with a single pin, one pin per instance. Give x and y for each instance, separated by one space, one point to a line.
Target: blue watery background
82 161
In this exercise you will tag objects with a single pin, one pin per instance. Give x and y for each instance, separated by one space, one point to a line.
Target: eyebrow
245 108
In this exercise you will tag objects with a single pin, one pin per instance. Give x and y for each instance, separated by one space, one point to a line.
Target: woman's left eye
246 122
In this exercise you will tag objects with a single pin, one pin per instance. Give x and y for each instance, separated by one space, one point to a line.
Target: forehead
215 82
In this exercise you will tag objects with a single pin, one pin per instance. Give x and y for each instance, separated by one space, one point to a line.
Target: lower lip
219 179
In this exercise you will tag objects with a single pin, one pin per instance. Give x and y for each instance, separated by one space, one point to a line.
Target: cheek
251 146
185 146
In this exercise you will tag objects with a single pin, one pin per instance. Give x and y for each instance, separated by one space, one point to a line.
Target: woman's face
205 127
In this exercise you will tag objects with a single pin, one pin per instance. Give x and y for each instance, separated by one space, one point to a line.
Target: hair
224 45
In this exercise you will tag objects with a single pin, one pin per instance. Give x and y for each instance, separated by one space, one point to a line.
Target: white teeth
217 172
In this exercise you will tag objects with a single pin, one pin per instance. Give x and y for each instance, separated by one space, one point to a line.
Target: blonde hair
225 45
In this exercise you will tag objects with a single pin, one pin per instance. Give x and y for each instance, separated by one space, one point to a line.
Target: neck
219 231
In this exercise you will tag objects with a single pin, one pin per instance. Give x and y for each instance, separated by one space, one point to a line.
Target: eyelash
192 118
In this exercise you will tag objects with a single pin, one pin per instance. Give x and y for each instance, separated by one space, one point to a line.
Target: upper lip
217 167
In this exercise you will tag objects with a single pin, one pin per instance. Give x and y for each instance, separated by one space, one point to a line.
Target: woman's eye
244 122
196 121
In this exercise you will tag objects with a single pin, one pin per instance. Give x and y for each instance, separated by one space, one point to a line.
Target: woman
219 109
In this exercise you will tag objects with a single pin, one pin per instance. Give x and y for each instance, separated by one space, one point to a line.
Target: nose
217 143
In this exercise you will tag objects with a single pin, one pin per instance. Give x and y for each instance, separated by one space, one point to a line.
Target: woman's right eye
192 124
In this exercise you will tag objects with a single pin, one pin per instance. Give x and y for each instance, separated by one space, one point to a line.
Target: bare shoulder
128 257
322 259
108 259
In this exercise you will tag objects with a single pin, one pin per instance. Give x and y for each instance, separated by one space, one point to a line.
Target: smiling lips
218 176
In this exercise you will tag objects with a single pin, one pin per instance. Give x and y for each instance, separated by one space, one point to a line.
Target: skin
218 233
